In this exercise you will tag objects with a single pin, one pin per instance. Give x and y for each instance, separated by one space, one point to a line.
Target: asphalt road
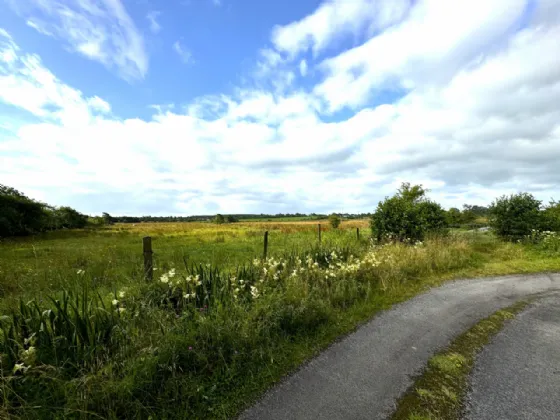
517 376
361 376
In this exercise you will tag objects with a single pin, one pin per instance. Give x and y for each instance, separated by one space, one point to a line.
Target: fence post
148 262
319 231
265 244
358 233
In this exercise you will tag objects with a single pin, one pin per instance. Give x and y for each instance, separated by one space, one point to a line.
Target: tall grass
203 338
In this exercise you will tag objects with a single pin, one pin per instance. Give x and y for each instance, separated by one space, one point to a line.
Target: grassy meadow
84 336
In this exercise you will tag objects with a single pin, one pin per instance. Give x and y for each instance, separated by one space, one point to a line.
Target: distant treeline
229 218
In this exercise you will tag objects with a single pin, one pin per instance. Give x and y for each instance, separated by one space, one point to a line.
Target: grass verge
438 393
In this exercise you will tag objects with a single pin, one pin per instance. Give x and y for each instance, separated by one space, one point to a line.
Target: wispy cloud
217 3
334 19
155 27
184 54
99 30
27 84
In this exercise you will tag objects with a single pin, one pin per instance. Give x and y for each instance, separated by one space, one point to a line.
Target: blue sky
293 106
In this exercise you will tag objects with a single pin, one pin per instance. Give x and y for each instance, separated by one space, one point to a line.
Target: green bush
514 217
407 216
334 221
551 217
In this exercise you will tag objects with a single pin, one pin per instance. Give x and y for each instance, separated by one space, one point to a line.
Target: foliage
551 217
334 221
515 216
214 328
407 216
219 219
20 215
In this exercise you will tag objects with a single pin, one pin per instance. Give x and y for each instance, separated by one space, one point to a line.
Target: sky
184 107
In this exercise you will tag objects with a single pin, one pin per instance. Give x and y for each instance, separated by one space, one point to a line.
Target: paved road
517 376
361 376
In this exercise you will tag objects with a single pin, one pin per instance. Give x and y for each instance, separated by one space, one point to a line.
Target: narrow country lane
361 376
517 376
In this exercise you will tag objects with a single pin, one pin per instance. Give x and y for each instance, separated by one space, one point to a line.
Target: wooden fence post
148 262
319 231
358 234
265 244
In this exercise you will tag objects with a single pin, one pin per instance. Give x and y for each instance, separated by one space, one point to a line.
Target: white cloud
27 84
478 118
336 18
155 27
410 55
99 30
184 54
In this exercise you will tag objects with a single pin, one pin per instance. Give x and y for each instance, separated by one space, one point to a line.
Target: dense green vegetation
20 215
407 216
84 335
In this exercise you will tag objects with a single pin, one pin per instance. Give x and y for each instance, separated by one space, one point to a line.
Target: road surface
361 376
517 376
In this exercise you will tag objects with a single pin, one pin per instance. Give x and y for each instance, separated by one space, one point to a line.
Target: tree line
21 215
408 215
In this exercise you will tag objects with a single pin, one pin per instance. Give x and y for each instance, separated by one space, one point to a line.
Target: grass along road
206 346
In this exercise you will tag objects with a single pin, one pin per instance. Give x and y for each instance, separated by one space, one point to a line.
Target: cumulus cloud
99 30
476 116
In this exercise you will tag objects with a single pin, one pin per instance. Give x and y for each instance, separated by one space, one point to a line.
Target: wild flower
254 292
121 294
121 309
164 279
80 272
115 302
19 367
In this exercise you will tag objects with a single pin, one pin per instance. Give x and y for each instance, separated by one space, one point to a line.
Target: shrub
334 220
407 216
551 217
219 219
514 217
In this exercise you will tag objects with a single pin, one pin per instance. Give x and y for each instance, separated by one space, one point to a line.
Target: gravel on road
517 376
361 376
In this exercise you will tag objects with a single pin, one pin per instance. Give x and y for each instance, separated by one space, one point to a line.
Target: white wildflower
121 294
80 272
254 292
115 302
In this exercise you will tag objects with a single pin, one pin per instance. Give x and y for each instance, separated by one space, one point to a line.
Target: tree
219 219
515 216
20 215
231 219
551 217
70 218
408 215
334 220
453 216
107 218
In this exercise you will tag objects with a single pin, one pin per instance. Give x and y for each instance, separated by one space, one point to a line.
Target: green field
218 324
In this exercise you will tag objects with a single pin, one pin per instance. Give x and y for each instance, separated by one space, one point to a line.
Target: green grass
195 347
439 392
